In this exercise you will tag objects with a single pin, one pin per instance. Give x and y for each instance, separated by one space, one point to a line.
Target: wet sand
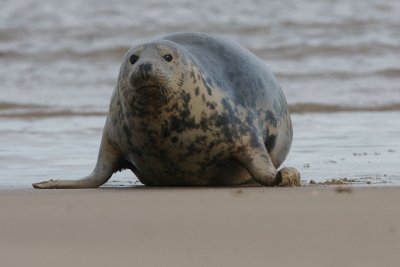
309 226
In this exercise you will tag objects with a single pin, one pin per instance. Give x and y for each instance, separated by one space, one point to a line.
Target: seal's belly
190 160
157 172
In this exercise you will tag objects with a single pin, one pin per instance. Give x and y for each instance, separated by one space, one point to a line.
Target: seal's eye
168 57
133 59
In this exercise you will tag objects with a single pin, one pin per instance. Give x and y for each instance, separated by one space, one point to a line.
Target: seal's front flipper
87 182
101 173
107 163
259 165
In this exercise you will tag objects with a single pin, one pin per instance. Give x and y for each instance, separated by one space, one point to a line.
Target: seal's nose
144 70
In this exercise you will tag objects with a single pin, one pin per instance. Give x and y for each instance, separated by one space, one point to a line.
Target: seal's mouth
147 88
153 89
148 91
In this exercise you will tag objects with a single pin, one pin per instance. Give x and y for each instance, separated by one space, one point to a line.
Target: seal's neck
152 109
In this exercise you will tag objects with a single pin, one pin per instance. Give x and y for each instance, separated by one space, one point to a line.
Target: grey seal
193 109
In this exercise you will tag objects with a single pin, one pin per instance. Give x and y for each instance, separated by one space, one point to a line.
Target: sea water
337 61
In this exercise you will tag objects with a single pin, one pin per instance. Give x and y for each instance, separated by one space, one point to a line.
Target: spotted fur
213 115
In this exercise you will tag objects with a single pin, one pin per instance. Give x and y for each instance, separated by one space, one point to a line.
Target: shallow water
360 146
59 63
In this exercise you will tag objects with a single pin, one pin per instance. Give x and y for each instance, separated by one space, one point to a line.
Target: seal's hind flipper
288 176
258 163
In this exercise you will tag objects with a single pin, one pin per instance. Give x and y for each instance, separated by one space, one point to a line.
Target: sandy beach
257 226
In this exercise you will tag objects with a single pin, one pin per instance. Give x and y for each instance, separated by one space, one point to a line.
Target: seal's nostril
145 67
145 70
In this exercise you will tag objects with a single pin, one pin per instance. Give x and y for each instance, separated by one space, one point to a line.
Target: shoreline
360 146
133 184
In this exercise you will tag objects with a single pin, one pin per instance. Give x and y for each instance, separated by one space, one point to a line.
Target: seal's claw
44 185
288 176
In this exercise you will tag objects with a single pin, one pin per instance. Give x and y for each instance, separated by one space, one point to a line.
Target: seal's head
153 73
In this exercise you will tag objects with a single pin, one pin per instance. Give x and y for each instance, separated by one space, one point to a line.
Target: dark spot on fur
186 98
211 105
254 140
192 149
173 108
164 130
193 76
127 131
114 121
226 104
223 122
201 139
249 119
182 123
236 126
204 123
208 83
270 117
209 91
211 145
270 142
203 97
181 80
196 91
175 124
174 139
184 113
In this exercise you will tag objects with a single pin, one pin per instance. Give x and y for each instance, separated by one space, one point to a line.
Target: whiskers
171 92
123 84
124 88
